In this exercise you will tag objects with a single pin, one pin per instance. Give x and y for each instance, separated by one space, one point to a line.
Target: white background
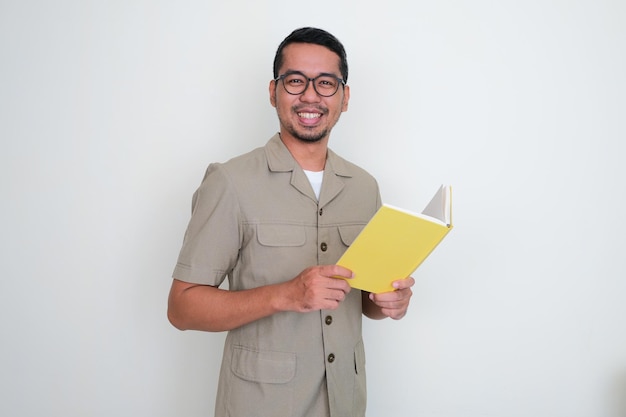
111 110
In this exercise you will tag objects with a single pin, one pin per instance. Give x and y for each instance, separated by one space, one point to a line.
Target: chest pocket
281 235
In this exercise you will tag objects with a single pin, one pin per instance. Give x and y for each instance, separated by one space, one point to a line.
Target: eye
295 80
327 82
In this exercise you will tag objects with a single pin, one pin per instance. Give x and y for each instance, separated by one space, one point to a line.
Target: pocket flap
281 235
349 232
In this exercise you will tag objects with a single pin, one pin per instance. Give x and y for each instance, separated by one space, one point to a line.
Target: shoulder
273 156
239 166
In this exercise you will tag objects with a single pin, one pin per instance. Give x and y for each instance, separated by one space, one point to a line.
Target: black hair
318 37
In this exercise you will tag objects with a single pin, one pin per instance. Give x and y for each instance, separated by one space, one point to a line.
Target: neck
309 155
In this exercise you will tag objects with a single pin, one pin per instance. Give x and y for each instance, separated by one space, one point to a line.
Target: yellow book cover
396 241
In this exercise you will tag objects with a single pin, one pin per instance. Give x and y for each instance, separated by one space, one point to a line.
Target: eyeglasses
296 83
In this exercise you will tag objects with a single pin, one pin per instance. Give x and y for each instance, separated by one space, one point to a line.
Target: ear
272 90
346 98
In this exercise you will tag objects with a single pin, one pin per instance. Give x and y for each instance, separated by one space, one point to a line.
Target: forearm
201 307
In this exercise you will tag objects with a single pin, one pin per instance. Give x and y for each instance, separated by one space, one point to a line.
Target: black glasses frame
309 80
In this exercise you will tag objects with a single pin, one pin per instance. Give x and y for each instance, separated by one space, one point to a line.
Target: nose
309 94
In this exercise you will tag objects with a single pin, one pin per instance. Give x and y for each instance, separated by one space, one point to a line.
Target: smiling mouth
310 115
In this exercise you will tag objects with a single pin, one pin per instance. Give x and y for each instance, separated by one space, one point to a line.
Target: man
275 221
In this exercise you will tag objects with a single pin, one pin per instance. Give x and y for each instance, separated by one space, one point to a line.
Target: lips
310 116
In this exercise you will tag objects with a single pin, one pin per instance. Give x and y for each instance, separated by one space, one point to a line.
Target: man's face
308 117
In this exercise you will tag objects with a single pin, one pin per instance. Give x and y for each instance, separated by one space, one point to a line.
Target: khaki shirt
256 220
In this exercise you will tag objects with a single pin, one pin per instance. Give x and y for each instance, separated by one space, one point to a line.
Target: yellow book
396 241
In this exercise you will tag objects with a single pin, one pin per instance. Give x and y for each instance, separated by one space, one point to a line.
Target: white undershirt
315 178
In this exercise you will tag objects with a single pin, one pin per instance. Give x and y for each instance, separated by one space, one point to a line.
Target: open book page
438 210
440 207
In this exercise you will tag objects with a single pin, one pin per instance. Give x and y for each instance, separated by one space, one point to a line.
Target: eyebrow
318 75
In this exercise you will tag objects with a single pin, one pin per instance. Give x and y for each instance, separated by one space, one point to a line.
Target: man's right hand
316 288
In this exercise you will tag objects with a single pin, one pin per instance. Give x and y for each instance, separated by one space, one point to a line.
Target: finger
335 271
403 283
395 314
393 298
337 295
390 303
339 284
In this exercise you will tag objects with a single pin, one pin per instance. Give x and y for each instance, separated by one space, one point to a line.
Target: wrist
277 298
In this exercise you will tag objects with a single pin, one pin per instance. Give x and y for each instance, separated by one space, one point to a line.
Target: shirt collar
279 159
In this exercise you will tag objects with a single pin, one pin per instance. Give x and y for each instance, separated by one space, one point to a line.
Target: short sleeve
212 239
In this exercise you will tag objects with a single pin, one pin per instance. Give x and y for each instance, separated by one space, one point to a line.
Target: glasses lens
324 85
295 83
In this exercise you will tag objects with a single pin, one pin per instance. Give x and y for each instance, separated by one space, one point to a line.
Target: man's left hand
394 304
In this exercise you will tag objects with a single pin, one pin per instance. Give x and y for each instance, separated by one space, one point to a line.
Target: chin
310 137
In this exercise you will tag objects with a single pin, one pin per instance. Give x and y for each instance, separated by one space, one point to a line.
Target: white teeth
309 115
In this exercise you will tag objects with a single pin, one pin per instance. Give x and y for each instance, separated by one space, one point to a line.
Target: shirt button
329 320
331 358
323 246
